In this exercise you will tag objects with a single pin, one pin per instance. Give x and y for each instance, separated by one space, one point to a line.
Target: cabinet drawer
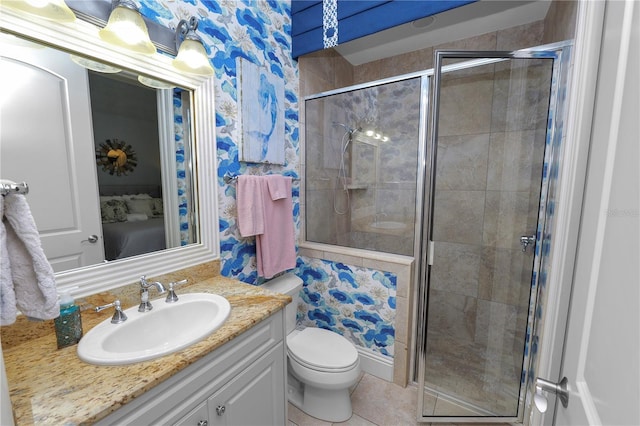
172 399
197 417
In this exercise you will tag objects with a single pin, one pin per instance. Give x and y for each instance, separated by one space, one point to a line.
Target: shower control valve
527 240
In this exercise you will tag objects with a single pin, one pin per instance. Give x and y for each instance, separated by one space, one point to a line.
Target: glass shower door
487 155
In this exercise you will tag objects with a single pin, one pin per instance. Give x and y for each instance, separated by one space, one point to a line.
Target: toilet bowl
322 365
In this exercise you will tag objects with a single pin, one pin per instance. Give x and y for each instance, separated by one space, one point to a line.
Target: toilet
322 365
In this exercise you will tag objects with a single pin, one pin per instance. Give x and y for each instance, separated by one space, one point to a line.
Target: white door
602 348
46 140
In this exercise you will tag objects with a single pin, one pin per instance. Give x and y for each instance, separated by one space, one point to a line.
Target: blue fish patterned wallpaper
183 200
356 302
259 31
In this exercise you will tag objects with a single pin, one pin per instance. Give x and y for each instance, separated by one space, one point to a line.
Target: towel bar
229 178
8 187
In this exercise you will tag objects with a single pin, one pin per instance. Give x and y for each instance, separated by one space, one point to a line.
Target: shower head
351 132
347 129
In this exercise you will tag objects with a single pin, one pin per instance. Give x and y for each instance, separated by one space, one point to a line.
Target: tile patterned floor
375 402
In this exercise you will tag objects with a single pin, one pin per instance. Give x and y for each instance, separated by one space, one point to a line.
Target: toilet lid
321 349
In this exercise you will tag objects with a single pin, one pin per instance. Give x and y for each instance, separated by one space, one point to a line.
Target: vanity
236 375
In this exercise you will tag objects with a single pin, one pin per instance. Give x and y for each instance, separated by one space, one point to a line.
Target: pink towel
250 205
276 248
279 186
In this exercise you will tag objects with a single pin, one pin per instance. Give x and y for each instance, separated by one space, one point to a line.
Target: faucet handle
143 281
172 296
118 316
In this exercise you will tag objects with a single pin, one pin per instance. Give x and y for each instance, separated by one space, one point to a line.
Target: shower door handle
527 240
560 389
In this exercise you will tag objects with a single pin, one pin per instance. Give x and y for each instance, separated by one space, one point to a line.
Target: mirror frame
82 38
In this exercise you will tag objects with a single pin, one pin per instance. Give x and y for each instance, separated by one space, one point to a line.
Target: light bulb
38 3
94 65
127 29
156 84
192 58
55 10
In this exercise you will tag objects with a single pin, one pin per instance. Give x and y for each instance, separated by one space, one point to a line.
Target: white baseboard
376 364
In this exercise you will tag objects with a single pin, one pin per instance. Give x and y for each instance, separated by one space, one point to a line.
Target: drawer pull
220 409
203 423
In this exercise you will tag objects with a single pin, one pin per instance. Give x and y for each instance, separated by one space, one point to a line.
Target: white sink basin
388 224
167 328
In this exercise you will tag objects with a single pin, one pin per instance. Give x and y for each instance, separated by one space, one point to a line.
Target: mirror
115 142
182 210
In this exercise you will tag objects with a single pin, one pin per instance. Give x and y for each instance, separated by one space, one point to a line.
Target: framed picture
261 114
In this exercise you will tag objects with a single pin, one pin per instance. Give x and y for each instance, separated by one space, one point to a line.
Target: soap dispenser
69 323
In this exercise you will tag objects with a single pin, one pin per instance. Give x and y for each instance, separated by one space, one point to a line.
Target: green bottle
69 323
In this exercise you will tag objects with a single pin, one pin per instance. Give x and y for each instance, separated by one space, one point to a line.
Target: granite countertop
53 386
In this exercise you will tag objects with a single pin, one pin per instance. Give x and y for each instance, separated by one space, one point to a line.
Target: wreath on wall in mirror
116 157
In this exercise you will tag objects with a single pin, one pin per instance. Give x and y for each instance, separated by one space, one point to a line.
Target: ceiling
471 20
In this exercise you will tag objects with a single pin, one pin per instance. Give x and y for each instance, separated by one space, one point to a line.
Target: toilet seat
322 350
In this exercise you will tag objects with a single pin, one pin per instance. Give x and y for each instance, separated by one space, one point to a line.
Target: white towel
27 281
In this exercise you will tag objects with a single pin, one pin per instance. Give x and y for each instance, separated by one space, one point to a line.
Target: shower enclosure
477 223
361 166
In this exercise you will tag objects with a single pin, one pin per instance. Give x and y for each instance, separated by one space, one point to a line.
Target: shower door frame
477 58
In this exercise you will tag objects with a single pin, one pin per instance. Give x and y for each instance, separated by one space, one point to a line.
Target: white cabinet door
601 359
254 397
46 140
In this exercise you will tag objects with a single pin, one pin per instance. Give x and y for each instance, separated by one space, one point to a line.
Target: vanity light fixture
127 29
94 65
55 10
192 57
153 83
374 134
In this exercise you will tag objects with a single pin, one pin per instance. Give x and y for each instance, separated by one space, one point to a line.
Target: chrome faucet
172 296
118 315
145 305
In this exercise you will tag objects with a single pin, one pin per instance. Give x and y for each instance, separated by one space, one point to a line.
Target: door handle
92 239
560 389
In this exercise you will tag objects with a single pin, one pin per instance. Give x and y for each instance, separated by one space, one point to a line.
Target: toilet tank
291 285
